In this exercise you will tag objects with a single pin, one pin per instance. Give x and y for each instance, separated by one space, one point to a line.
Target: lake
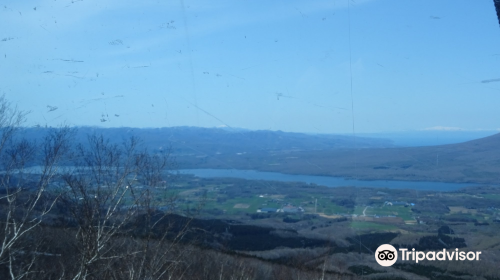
323 180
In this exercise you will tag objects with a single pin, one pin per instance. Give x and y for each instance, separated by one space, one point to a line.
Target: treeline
443 239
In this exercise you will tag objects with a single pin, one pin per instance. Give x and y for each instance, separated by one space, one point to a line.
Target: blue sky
279 65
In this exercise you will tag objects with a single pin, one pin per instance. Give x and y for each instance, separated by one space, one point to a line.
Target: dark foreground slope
473 161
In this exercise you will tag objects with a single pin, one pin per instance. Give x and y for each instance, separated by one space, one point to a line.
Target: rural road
365 210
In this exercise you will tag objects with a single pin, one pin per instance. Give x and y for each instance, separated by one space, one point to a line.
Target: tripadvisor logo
387 255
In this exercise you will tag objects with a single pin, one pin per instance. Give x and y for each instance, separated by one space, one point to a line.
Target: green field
492 196
398 211
240 199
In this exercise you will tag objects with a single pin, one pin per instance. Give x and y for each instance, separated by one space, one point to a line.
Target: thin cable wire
350 72
352 105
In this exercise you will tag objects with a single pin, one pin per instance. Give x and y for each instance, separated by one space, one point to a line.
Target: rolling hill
473 161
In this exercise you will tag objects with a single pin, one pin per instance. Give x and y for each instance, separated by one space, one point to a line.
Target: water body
322 180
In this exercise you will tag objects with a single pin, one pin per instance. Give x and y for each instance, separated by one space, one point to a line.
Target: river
323 180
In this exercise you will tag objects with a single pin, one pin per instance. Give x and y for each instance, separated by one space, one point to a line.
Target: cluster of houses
400 203
287 207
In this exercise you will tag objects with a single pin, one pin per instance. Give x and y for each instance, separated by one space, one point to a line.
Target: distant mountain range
298 153
209 141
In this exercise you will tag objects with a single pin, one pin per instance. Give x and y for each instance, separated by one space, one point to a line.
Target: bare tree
117 220
24 202
90 211
151 167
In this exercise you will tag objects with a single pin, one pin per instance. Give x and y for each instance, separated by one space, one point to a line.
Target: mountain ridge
475 161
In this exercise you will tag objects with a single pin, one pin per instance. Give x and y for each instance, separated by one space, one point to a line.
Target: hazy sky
280 65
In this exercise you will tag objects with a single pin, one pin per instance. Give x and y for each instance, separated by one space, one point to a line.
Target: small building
267 210
292 209
398 203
